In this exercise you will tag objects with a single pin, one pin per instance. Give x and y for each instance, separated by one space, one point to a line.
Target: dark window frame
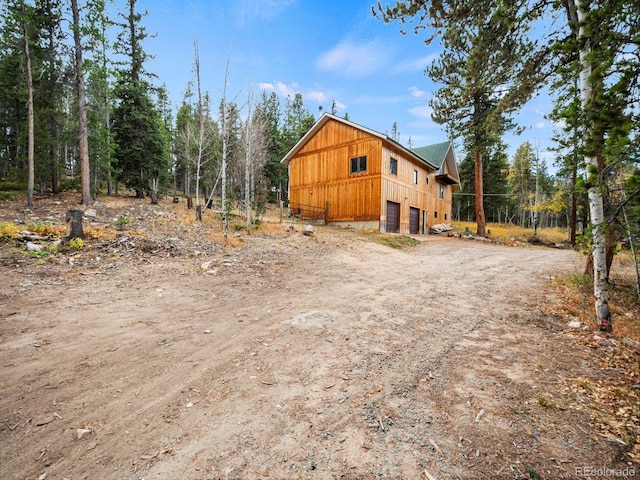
358 164
393 166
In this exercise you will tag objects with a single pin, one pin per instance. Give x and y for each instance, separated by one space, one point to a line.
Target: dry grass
578 289
509 234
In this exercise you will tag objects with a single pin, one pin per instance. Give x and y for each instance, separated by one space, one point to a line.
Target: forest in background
77 99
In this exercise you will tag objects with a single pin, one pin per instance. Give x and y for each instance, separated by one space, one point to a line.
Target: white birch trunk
596 203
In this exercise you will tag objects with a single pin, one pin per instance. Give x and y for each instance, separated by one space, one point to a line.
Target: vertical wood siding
319 175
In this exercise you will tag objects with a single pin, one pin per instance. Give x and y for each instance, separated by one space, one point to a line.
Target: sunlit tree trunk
30 122
596 203
85 176
200 134
480 219
223 172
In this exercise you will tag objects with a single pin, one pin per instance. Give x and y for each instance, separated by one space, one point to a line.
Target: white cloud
284 90
422 111
280 88
417 93
354 60
541 124
251 10
415 64
318 97
340 105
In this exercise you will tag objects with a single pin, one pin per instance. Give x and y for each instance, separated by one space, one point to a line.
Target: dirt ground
158 353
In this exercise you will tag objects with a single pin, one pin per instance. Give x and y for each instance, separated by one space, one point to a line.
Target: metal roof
434 154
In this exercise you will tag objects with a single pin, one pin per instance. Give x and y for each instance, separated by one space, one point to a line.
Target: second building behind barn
348 174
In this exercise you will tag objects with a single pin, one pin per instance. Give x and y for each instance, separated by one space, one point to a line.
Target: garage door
393 217
414 220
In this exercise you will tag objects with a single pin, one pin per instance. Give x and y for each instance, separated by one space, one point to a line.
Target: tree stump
189 203
154 197
74 224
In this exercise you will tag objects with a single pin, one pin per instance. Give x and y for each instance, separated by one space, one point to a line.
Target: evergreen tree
99 101
50 92
142 142
268 111
13 94
496 188
40 25
488 69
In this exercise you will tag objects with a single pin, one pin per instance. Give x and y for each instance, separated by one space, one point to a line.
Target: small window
359 164
415 177
427 179
435 214
393 166
445 216
441 191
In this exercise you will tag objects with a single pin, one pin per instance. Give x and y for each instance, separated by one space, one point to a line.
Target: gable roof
435 154
438 154
327 116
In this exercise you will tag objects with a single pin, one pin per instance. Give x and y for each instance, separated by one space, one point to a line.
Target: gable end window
441 191
415 177
393 166
359 164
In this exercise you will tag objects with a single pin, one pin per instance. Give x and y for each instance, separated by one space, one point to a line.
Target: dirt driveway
291 356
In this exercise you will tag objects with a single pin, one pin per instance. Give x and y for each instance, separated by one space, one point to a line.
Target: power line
487 194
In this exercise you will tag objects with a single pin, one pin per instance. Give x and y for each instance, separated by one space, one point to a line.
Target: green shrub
13 186
70 185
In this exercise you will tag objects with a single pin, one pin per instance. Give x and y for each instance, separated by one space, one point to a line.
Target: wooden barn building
350 175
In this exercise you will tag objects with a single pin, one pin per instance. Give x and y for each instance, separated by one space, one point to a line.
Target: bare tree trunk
223 172
30 122
596 203
200 134
480 218
85 176
247 167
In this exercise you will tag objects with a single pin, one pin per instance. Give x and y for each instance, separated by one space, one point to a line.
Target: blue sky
331 50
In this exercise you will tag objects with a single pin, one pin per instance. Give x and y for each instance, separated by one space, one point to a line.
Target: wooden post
74 224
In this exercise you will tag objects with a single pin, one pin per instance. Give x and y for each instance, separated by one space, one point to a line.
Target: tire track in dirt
187 374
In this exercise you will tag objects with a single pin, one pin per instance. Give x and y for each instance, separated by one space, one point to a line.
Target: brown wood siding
319 174
401 188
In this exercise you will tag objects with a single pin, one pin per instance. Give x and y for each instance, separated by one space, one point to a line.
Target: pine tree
268 110
142 143
488 69
83 136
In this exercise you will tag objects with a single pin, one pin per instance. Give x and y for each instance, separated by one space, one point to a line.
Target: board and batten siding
401 188
319 175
